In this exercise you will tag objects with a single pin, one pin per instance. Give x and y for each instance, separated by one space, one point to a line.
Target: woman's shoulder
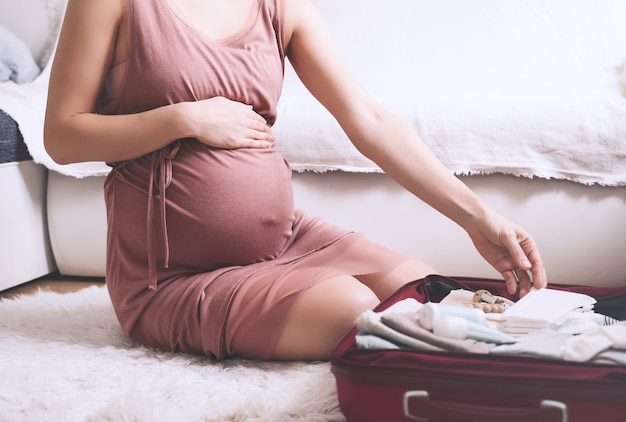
111 8
296 16
88 36
87 13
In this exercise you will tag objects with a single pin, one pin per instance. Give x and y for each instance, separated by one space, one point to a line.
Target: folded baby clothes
461 328
611 356
460 322
586 346
402 324
544 308
408 324
369 322
374 334
371 341
541 343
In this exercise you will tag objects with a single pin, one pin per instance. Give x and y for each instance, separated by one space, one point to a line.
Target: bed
25 251
524 101
25 45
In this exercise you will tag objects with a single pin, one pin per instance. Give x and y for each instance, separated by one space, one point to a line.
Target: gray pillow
16 61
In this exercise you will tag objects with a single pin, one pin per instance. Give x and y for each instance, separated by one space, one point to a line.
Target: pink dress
206 252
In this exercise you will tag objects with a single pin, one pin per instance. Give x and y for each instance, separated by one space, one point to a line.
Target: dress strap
161 178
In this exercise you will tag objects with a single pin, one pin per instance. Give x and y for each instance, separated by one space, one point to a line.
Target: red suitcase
385 385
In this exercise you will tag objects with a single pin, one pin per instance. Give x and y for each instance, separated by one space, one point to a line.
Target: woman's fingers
525 256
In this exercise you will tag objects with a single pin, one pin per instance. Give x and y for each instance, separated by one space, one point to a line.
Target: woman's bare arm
74 133
377 133
86 50
392 144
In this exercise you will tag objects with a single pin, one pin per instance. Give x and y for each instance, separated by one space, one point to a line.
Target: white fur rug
64 357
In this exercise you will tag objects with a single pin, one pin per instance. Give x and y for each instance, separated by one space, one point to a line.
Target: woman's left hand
511 251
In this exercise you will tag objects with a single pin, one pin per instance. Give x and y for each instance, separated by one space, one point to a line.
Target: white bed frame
581 230
25 251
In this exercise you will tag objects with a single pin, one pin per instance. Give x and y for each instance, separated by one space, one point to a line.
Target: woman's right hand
222 123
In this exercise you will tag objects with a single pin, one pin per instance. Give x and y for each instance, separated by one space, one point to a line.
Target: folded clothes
371 341
586 346
603 344
460 328
408 324
399 325
370 323
616 357
542 343
544 308
430 312
459 322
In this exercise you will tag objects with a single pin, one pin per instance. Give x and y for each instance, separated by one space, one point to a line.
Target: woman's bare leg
320 316
325 312
384 284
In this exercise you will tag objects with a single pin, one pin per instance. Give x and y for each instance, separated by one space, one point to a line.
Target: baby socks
584 347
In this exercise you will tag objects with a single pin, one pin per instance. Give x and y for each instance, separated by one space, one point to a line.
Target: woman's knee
321 316
336 304
386 283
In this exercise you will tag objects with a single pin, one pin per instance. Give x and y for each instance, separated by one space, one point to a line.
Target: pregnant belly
228 207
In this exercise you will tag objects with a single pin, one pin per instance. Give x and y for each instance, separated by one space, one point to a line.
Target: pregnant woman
205 250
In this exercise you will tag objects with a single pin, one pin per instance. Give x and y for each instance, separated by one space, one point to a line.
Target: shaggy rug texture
64 357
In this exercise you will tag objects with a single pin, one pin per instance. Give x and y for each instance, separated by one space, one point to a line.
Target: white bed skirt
581 230
25 252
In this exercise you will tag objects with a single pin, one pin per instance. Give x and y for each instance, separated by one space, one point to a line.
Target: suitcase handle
548 410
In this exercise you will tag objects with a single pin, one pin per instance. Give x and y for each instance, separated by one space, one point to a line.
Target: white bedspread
524 87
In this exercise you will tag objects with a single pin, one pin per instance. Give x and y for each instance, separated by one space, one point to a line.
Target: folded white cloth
543 308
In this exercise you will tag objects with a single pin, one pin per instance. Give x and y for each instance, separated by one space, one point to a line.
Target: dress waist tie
160 169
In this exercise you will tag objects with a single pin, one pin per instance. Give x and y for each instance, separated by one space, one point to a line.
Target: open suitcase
386 385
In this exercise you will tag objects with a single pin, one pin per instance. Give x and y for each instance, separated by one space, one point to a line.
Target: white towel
543 308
